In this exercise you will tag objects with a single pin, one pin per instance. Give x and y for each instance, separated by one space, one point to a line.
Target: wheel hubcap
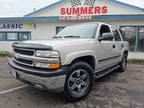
78 82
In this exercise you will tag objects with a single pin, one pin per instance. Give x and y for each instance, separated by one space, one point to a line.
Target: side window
116 34
104 29
123 34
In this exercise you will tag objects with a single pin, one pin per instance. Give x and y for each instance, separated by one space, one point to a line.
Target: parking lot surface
116 90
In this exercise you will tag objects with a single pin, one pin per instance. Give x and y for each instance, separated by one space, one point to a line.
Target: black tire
123 63
84 70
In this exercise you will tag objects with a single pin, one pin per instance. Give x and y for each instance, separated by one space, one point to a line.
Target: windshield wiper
57 37
71 36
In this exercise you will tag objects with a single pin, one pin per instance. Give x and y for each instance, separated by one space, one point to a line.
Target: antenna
34 9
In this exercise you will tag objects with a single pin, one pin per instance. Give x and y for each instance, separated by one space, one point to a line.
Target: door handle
122 45
114 46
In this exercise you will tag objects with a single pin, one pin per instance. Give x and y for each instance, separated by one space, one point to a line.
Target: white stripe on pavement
13 89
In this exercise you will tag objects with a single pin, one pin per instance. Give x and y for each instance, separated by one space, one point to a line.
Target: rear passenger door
118 44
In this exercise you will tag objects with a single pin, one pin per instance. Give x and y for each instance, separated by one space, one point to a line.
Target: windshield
78 31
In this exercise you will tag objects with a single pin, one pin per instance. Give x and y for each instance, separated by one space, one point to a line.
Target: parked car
72 60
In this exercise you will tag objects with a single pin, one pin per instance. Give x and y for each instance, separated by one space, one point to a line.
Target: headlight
40 53
52 59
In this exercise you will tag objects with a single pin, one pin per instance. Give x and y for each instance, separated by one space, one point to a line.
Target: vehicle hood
58 42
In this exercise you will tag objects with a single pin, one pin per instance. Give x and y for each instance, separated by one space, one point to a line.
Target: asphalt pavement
116 90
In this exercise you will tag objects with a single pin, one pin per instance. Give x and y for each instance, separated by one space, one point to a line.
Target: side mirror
106 37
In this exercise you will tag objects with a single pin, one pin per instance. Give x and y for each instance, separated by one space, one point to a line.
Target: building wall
46 30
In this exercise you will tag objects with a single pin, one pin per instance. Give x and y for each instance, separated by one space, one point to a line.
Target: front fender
72 56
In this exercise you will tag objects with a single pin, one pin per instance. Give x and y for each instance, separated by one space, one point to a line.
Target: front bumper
40 78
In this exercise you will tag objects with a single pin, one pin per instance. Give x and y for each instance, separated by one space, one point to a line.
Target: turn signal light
53 66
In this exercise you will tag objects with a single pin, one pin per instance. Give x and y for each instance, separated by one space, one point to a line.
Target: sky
18 8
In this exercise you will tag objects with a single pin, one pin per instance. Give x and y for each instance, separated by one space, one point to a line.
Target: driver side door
104 49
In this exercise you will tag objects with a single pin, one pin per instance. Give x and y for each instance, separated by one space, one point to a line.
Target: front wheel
123 63
79 81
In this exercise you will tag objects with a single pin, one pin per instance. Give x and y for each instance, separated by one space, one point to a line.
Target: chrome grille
29 62
22 56
24 51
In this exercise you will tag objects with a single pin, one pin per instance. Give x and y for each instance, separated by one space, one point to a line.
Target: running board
101 73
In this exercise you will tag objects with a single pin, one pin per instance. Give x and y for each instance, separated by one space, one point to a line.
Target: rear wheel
79 81
123 63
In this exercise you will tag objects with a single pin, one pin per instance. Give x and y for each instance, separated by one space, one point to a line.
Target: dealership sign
84 7
84 10
11 26
16 26
75 17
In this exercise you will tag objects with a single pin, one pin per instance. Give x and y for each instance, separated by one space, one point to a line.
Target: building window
12 36
15 36
141 39
24 36
2 36
131 36
58 29
135 36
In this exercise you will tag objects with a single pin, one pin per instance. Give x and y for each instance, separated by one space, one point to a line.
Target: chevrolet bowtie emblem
17 55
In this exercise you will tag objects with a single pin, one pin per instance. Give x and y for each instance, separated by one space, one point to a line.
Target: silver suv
72 59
